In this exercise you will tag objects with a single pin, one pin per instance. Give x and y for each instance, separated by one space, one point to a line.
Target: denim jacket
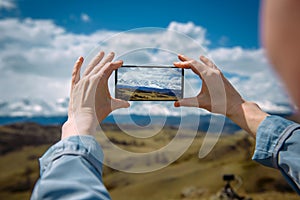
278 146
72 168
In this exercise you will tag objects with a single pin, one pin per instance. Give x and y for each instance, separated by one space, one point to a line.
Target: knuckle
109 67
218 72
86 79
193 62
93 80
215 72
90 78
73 76
212 73
74 70
106 66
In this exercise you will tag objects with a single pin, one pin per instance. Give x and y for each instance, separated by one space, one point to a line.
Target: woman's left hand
90 99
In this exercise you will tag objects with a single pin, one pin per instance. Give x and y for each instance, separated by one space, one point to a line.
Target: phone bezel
154 66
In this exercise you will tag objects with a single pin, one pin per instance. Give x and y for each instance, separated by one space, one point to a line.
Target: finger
108 69
76 71
109 58
191 64
105 61
183 57
119 103
94 62
187 102
206 61
185 65
77 78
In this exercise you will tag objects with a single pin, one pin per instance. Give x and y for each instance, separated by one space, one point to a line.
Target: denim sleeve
71 169
278 146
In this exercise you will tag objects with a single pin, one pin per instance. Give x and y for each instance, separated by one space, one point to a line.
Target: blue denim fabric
71 169
278 146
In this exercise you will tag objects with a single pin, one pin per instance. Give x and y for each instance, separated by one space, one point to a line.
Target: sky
230 22
40 41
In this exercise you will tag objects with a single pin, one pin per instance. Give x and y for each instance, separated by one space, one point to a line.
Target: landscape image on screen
149 84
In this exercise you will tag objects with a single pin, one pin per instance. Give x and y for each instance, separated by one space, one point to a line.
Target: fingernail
176 104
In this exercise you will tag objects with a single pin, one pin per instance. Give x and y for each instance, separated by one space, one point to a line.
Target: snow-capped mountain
160 78
42 107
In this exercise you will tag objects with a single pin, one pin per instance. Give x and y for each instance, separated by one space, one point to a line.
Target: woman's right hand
217 95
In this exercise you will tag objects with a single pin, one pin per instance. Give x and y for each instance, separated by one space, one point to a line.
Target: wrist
248 116
79 126
68 129
236 109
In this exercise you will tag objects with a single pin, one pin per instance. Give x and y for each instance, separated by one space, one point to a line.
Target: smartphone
149 83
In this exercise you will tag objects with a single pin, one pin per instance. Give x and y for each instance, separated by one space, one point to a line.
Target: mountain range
166 91
44 113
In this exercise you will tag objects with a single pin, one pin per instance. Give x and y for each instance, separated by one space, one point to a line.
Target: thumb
118 103
187 102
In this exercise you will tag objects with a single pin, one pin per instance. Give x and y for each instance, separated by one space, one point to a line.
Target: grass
231 155
19 172
187 178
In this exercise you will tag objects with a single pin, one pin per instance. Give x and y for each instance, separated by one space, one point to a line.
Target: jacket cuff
271 135
79 145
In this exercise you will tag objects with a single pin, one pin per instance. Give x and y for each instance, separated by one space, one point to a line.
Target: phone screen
149 83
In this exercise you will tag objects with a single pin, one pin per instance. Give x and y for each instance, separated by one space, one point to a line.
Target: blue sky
41 39
229 23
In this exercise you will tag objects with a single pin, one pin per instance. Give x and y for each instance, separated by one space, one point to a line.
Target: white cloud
251 74
239 60
84 17
7 4
36 59
190 29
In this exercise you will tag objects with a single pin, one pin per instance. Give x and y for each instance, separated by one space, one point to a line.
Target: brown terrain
139 95
187 178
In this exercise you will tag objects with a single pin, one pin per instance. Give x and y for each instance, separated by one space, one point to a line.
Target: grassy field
187 178
193 178
19 172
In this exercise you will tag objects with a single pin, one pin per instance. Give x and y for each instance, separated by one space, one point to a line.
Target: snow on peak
41 107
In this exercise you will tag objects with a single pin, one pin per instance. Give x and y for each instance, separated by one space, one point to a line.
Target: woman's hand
90 99
217 95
